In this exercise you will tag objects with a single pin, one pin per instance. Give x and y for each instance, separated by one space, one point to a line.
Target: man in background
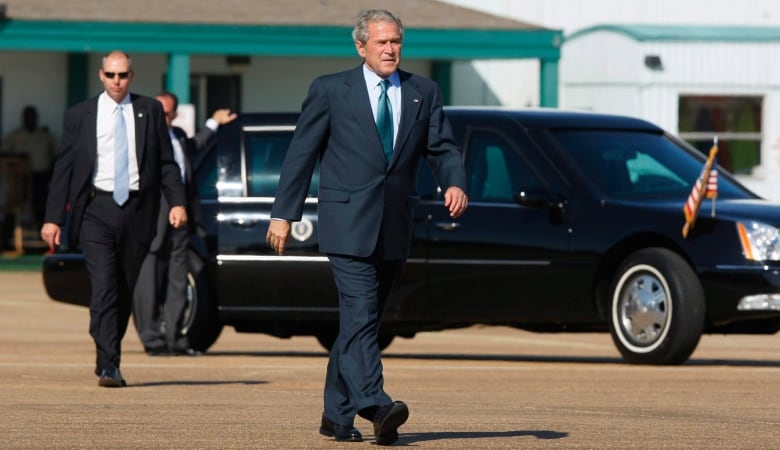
161 293
39 146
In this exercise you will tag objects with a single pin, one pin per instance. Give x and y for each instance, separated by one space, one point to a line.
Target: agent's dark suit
114 239
365 212
162 280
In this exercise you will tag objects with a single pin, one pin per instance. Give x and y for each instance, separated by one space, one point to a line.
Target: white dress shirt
393 93
106 117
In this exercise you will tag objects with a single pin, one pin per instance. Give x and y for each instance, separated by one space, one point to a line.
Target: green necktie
384 120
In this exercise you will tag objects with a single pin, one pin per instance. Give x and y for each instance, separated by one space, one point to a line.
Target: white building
697 68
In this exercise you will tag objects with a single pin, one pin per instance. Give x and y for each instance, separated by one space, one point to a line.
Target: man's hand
456 201
278 235
223 116
177 217
50 233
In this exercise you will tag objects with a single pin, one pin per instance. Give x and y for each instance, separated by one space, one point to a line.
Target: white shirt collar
108 101
372 79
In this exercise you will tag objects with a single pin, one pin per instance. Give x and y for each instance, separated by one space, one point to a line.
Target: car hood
725 209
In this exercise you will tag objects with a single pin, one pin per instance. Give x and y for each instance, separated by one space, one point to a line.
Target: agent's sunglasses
121 75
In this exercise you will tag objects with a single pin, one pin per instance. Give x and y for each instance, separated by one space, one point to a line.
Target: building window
736 121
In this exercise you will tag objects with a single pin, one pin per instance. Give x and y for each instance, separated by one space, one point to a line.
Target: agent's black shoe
387 420
186 352
341 433
111 377
157 351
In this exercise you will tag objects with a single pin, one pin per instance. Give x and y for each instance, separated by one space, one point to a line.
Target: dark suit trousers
161 292
113 257
354 379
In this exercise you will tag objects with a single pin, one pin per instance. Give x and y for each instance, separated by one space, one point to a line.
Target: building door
211 92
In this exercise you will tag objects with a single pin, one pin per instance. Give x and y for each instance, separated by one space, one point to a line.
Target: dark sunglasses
122 75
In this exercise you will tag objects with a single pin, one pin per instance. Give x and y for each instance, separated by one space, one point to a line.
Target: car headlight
760 242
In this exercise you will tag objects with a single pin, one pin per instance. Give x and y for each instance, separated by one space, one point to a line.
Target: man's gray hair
360 33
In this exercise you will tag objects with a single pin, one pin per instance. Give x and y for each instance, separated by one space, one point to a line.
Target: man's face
382 50
116 76
170 111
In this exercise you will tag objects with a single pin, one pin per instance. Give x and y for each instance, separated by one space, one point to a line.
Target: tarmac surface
473 388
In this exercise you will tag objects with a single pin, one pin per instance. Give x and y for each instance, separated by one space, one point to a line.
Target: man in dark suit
160 296
114 158
369 153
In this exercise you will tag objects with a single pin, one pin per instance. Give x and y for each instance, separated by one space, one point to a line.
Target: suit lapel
360 105
141 119
91 133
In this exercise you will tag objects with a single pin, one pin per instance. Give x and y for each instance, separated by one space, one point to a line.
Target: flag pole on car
705 185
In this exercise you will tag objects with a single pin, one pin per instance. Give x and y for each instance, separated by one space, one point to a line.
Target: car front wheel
201 320
657 308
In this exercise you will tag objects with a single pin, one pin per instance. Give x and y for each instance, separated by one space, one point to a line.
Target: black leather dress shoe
111 377
387 420
341 433
186 352
157 351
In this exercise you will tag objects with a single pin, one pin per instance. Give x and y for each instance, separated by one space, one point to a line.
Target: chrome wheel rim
642 308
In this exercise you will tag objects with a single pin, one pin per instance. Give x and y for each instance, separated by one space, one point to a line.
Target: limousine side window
495 170
205 175
264 153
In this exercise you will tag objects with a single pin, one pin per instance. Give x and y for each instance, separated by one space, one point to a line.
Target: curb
21 263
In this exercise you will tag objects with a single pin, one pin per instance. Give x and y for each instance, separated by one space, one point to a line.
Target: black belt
96 191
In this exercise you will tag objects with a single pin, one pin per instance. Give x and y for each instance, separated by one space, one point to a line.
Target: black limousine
574 224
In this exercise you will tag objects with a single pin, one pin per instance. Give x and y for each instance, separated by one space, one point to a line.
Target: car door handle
447 226
422 219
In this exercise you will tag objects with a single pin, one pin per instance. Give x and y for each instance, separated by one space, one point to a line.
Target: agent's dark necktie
384 120
121 173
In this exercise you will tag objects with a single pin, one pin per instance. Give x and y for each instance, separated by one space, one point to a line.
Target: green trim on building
268 40
177 80
548 83
442 75
687 33
180 41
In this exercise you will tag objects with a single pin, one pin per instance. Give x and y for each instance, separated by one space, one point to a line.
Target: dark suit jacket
191 146
71 183
359 193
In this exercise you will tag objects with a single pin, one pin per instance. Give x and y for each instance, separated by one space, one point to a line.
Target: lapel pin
416 100
140 114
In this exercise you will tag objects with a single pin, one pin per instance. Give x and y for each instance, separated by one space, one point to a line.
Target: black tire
657 308
201 324
326 340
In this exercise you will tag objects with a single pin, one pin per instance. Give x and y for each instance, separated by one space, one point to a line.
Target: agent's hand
177 217
223 116
278 234
456 201
50 233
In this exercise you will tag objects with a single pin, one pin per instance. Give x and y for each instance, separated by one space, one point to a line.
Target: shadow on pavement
510 358
194 383
422 437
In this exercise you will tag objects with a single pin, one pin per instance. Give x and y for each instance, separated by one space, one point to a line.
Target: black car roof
530 117
554 118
